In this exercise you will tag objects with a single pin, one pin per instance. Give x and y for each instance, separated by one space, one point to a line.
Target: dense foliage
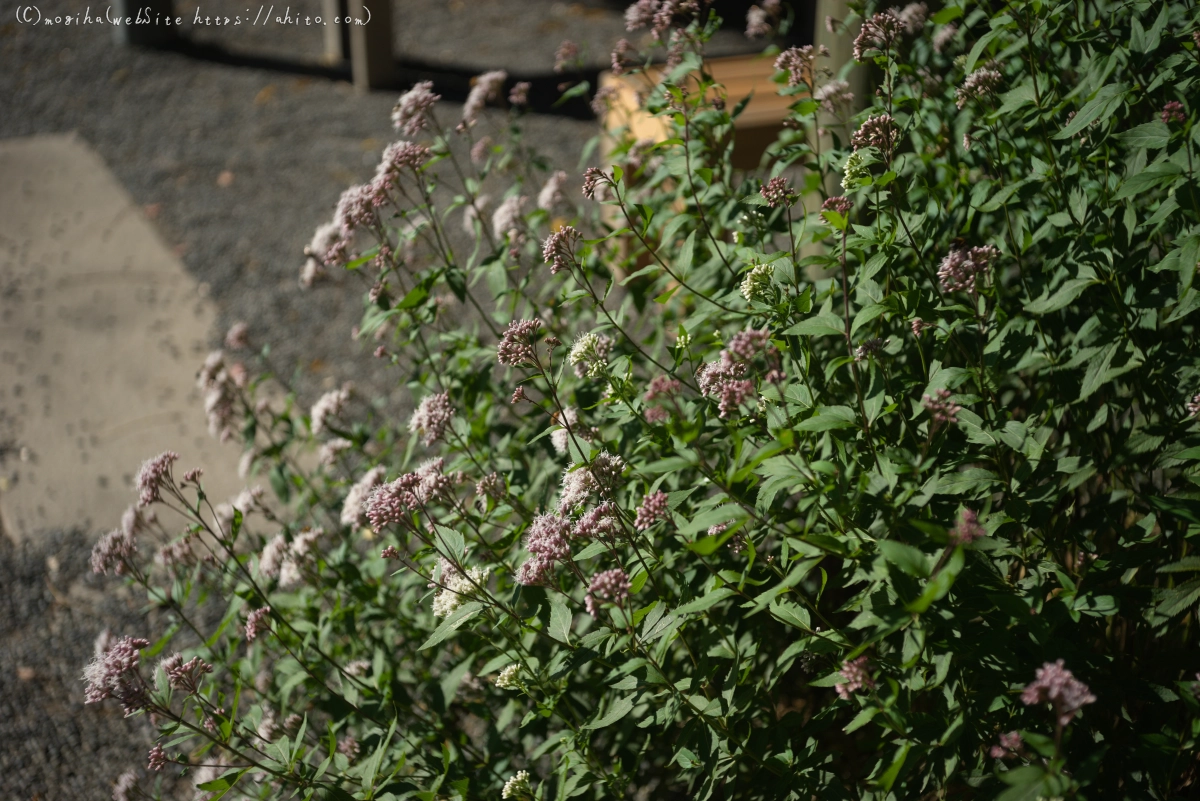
725 485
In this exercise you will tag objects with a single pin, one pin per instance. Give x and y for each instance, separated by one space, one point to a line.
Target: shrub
743 488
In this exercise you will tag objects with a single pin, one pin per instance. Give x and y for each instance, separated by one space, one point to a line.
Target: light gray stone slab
101 334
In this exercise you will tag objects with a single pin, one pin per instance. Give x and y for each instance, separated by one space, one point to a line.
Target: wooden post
371 60
337 36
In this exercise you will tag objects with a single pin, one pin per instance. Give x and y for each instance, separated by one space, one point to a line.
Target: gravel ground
235 165
52 745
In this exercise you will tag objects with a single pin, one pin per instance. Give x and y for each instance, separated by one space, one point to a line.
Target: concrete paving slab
101 333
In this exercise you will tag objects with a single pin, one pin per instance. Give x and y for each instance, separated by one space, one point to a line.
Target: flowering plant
744 488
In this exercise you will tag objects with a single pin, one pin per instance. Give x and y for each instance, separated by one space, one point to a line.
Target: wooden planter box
756 128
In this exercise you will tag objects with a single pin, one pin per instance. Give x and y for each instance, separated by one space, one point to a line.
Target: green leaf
820 325
905 557
866 315
1098 109
705 602
947 14
828 418
578 90
560 618
451 624
1188 564
1093 379
889 776
791 614
223 784
619 709
683 261
862 718
977 50
1179 599
938 586
1063 296
1150 135
666 296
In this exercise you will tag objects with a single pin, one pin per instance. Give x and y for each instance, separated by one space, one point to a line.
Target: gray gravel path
53 747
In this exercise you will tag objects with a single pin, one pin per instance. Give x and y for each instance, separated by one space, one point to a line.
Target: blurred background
150 198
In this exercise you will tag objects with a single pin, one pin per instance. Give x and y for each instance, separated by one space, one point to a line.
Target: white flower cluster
507 680
517 786
589 354
756 286
856 170
454 586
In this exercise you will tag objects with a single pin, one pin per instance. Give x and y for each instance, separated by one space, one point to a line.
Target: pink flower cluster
659 15
327 407
611 585
878 131
354 507
777 192
961 268
432 416
238 336
942 409
869 349
516 346
548 537
857 676
662 387
840 205
566 56
879 32
258 621
912 16
621 57
113 552
654 508
394 501
968 529
220 385
944 38
578 484
397 157
113 673
154 473
980 83
725 379
519 94
485 88
919 325
600 521
552 193
157 758
1010 746
761 20
548 542
1056 685
1173 112
834 95
490 486
410 114
799 64
593 179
